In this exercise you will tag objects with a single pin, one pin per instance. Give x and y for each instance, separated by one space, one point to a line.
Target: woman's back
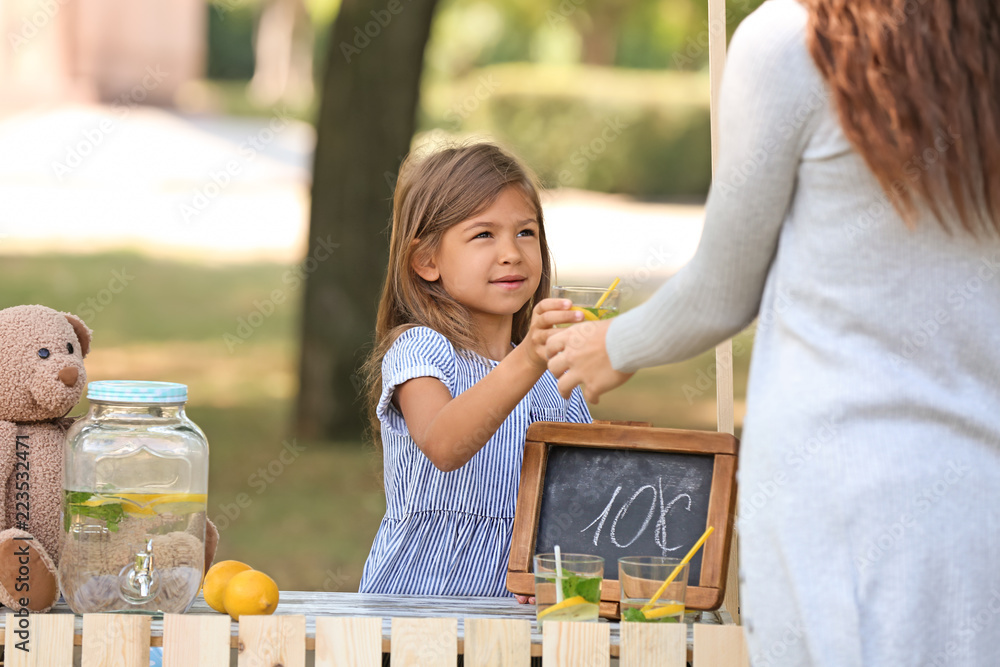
870 458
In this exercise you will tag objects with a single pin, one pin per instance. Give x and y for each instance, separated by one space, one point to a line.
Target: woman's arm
770 94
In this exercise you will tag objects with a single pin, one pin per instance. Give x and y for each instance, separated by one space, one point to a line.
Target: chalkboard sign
617 490
651 503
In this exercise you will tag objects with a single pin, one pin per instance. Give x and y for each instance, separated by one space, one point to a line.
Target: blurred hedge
643 133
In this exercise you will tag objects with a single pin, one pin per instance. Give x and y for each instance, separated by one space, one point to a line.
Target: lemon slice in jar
665 610
570 609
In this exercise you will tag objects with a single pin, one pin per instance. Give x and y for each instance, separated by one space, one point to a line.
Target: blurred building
91 51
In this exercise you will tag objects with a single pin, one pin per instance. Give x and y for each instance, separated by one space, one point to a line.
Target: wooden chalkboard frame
708 592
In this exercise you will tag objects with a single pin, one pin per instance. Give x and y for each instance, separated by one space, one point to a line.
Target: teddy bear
42 378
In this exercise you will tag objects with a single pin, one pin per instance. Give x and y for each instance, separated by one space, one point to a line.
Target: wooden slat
270 641
45 639
576 644
494 642
720 646
346 642
633 437
196 639
424 642
721 514
529 504
653 645
115 640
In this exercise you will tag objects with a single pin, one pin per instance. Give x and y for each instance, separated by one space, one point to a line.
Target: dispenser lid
137 391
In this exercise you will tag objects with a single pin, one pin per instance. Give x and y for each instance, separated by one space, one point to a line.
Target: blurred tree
366 120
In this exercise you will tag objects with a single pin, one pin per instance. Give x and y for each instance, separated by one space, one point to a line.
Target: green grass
311 523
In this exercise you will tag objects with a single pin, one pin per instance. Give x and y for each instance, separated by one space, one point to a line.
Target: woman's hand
524 599
547 314
578 355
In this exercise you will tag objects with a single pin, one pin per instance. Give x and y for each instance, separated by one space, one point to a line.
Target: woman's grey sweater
870 462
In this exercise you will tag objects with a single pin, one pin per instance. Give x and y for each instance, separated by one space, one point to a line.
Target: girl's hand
524 599
547 314
578 355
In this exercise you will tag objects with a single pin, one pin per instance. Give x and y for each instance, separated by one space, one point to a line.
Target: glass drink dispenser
135 485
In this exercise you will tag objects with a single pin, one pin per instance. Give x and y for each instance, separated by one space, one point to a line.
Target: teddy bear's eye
69 346
43 353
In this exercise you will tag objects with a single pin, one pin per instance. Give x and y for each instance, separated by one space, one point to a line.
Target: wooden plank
576 644
633 437
495 642
720 646
115 640
196 639
653 645
44 639
346 642
272 641
424 642
529 504
721 515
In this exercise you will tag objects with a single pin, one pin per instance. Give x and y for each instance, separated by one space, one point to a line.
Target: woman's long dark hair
917 88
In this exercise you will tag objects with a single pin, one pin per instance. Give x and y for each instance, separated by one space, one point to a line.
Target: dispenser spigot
140 582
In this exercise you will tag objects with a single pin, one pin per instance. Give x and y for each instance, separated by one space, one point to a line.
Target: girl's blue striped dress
449 533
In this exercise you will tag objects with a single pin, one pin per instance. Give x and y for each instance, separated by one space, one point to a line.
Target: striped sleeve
577 411
418 352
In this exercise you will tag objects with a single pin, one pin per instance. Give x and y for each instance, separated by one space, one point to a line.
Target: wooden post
724 352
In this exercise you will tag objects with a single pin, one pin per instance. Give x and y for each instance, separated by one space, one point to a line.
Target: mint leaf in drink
633 615
112 514
587 588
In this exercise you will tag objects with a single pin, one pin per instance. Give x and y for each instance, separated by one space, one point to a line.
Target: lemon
250 593
216 580
587 315
575 608
665 610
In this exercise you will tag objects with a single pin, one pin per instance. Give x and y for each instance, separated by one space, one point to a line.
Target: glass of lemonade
569 590
585 299
640 577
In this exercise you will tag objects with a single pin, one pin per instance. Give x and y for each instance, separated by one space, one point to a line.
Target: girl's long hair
917 88
433 194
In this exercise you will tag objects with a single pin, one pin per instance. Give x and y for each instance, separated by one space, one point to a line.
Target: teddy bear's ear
82 332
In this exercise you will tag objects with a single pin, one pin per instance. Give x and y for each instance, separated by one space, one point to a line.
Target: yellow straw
673 575
607 293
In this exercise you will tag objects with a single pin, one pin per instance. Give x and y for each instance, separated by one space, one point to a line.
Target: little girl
458 371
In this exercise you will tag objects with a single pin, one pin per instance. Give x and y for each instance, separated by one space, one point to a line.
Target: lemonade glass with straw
568 588
640 577
596 303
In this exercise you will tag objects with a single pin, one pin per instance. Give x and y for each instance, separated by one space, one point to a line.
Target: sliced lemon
587 315
665 610
571 609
